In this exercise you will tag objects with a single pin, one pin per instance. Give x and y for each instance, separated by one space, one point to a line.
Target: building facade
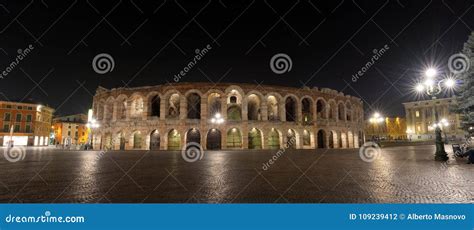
70 130
25 124
421 118
391 129
225 116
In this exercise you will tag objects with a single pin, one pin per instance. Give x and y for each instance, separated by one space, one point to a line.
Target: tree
465 93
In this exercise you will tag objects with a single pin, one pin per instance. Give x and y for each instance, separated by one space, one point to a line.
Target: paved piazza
399 175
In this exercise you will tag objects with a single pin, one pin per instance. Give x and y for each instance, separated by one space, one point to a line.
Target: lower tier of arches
216 138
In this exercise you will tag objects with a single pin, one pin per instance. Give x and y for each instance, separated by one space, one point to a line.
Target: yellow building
70 130
386 129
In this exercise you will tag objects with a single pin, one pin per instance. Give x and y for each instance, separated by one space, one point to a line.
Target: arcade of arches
169 117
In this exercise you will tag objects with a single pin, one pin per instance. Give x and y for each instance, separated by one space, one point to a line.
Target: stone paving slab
405 174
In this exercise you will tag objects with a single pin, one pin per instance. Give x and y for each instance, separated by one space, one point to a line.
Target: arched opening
331 140
253 108
321 138
213 139
290 109
306 110
155 106
193 135
306 138
339 139
174 140
121 139
107 141
137 107
234 113
255 139
273 139
321 109
234 138
137 140
361 138
173 106
341 112
109 109
194 106
121 104
214 104
272 106
348 111
155 140
291 139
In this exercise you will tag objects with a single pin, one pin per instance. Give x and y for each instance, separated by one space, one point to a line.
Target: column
264 111
183 108
162 108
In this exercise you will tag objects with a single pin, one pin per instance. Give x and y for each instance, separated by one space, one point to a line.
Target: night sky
151 41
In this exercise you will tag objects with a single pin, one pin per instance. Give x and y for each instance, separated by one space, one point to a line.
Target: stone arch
193 101
120 140
321 108
274 139
307 139
343 139
234 138
193 135
109 108
173 104
234 103
213 139
273 106
155 140
174 140
332 139
341 111
254 103
137 105
349 112
121 107
100 109
136 140
321 136
255 139
292 139
154 104
291 108
307 107
214 103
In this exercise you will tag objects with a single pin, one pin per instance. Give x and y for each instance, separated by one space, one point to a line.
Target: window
76 134
7 117
417 113
27 129
233 99
69 133
18 117
6 128
17 128
28 118
9 106
19 107
30 108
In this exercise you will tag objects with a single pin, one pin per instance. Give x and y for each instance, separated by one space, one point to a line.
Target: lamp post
91 124
433 87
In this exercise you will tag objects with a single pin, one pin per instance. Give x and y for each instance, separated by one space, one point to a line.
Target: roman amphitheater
225 116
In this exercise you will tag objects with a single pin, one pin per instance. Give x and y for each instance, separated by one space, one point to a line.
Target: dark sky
151 41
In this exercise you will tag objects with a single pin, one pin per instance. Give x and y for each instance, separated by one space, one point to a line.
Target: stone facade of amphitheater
170 117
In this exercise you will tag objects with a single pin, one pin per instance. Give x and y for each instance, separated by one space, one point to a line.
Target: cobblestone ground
399 175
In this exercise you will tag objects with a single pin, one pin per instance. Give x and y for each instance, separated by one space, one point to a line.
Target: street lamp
375 120
217 119
433 87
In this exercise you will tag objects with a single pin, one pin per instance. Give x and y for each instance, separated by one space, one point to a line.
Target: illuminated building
25 123
70 129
